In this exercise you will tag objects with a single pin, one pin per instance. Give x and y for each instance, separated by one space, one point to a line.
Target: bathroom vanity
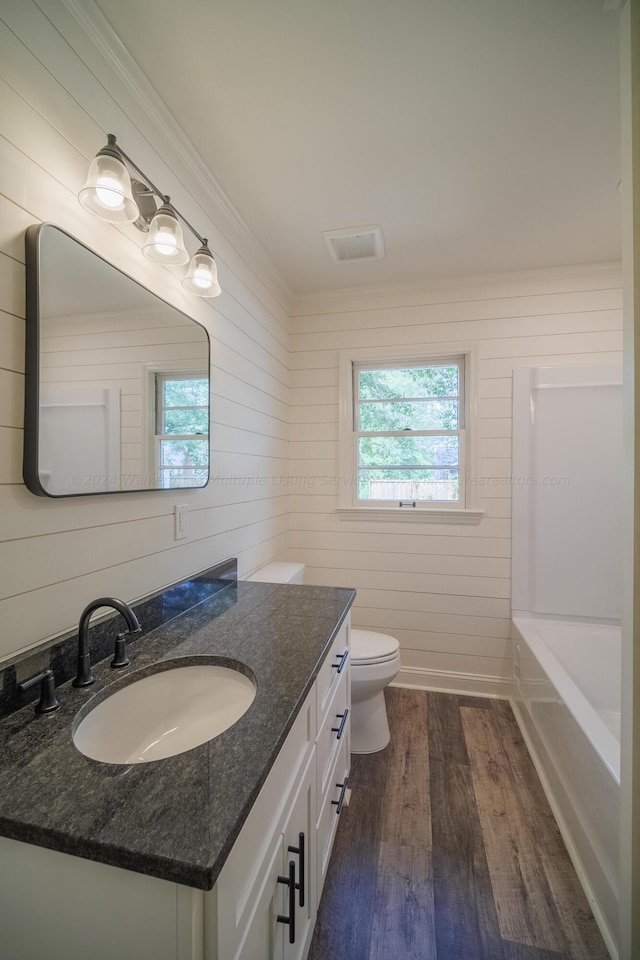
217 853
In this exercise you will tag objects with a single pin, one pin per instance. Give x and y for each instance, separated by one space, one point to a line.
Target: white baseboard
446 681
603 926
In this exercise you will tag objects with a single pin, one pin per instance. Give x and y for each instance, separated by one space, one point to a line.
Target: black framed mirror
117 380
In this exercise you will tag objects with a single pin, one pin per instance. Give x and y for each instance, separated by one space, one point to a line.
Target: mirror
117 380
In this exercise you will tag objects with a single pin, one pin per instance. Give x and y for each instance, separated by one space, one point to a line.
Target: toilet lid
369 647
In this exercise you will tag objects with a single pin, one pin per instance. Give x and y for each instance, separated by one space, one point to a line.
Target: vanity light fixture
110 194
165 243
202 273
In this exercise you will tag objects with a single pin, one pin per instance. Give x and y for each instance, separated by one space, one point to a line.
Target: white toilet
280 572
375 661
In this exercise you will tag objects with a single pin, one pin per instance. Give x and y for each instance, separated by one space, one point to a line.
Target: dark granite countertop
176 819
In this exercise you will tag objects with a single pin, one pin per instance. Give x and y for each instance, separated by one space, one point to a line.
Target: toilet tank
279 573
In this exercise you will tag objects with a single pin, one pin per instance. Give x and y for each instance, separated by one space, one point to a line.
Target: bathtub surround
567 522
61 654
567 602
563 706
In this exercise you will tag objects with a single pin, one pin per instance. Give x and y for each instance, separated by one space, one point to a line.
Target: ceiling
482 135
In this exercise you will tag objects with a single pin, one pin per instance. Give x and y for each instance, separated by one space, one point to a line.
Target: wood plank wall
443 590
56 555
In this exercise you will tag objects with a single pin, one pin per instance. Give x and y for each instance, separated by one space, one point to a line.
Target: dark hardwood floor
448 849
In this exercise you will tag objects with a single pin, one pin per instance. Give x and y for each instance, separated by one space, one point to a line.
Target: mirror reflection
117 379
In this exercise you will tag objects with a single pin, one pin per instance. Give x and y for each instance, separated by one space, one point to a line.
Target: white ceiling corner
482 137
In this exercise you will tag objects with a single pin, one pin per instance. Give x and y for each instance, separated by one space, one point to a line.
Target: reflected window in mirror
181 447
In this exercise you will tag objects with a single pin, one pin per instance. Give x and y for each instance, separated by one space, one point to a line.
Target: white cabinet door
284 911
264 937
231 908
299 849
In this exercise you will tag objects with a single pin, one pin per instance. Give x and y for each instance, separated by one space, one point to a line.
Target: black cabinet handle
342 659
290 882
343 789
343 719
300 851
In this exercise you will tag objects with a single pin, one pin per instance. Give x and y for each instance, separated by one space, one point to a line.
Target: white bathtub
567 701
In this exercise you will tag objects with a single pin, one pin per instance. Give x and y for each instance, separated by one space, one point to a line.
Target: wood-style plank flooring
448 850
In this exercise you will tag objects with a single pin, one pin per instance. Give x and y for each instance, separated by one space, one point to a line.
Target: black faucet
85 677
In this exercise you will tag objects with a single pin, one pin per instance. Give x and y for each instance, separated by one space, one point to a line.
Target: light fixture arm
118 191
187 224
111 141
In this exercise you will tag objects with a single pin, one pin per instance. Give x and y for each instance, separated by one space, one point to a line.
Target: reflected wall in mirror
117 380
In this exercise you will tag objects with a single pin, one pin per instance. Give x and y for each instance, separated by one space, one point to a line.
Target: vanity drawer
334 730
334 666
329 813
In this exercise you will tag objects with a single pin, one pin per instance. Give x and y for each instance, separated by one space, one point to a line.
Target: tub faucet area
84 676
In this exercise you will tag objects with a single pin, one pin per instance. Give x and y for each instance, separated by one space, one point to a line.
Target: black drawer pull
290 882
343 789
343 719
342 659
300 851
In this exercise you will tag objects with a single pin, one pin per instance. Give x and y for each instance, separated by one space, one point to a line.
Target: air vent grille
354 243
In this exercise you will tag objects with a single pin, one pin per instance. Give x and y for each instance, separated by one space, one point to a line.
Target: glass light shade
202 275
107 191
165 243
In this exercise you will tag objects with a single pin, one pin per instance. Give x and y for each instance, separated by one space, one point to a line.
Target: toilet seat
369 648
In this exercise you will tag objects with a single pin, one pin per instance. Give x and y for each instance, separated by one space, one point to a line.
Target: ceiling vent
355 243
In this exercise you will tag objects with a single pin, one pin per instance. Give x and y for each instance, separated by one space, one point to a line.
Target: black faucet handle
120 658
48 701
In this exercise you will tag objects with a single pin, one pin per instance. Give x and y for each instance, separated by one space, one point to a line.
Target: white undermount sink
164 714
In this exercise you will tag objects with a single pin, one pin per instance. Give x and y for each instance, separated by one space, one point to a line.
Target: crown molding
469 287
104 38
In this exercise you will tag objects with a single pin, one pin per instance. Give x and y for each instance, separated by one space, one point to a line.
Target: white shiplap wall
442 589
56 555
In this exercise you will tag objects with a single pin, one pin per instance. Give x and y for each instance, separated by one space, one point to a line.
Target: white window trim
347 508
149 371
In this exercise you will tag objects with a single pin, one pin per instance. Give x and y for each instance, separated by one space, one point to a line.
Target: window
410 428
181 429
406 442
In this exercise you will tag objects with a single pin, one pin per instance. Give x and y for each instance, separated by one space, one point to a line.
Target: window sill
411 514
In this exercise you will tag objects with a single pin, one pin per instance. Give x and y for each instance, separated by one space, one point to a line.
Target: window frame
467 509
171 370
